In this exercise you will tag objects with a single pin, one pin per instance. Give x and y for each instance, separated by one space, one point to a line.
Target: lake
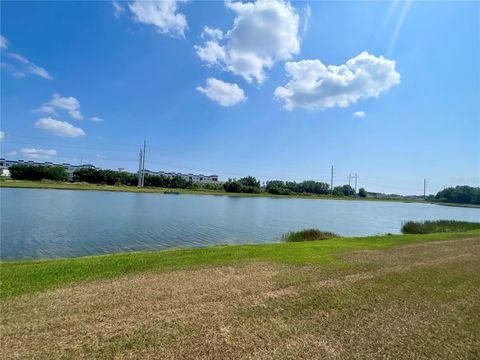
41 223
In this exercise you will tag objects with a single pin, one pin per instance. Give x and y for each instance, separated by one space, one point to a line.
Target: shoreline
24 184
22 277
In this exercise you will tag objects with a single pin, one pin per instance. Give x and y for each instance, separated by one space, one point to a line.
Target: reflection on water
41 223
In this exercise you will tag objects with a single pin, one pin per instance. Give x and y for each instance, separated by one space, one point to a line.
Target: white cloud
211 53
24 66
2 135
59 128
100 156
211 33
3 42
316 86
225 94
263 32
69 104
359 114
38 153
96 119
117 9
161 14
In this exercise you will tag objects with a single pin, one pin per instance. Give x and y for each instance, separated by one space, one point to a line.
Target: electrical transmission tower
141 166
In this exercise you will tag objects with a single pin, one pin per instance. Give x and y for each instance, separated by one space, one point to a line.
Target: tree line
37 173
247 184
250 184
460 195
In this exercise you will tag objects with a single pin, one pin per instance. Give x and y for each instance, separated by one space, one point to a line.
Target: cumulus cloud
117 9
3 42
211 33
2 135
226 94
161 14
316 86
212 53
263 32
59 128
96 119
38 153
58 102
359 114
21 66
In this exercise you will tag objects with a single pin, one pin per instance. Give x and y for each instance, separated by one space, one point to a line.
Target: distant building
5 164
205 179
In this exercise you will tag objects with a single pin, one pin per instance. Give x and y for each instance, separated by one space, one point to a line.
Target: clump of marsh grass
437 226
308 235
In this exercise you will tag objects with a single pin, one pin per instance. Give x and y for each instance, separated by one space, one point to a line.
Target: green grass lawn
398 297
24 277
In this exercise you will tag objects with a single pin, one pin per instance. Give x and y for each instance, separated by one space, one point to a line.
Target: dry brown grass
416 301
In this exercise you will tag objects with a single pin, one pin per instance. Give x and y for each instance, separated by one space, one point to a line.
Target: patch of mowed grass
31 276
308 235
438 226
425 312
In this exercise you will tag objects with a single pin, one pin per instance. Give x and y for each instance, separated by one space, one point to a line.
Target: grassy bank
122 188
24 277
366 298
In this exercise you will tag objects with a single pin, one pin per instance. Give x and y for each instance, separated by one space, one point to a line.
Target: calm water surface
38 223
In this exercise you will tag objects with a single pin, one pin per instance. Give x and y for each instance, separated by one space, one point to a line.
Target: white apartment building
205 179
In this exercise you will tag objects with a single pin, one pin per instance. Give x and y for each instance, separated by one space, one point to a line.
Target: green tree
460 194
232 185
362 193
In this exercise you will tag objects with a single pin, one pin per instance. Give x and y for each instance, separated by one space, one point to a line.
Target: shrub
427 227
362 193
308 235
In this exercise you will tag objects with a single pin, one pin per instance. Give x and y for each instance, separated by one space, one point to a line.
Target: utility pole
356 179
424 189
331 181
143 162
349 179
140 161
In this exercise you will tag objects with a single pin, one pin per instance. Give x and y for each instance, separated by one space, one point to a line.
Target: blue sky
278 90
